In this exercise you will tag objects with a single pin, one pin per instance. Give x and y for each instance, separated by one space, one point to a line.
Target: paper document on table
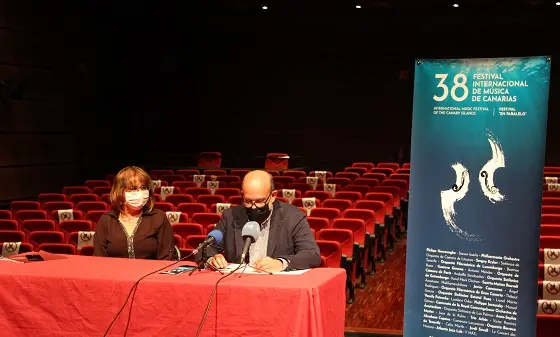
250 270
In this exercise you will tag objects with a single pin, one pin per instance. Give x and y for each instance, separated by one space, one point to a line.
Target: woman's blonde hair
123 180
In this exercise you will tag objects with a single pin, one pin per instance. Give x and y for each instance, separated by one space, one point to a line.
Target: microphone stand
202 264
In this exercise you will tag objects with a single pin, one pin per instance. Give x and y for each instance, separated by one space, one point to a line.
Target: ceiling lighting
264 7
455 5
358 6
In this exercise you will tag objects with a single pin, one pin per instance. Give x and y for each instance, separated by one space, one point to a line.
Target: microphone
250 233
214 237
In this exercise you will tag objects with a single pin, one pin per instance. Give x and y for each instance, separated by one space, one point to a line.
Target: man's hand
218 261
269 265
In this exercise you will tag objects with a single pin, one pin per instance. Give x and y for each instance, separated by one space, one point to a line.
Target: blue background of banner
510 227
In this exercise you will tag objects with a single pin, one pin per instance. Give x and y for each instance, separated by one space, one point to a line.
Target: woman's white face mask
136 200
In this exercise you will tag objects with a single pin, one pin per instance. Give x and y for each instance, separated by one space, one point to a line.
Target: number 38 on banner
459 82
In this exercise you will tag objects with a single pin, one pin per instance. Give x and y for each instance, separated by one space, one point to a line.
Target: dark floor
380 306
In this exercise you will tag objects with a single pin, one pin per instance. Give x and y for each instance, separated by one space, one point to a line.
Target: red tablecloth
79 296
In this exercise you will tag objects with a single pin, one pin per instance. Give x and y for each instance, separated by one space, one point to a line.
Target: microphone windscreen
217 235
251 229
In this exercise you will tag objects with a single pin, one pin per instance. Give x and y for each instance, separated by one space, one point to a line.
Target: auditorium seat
215 172
12 236
548 201
377 176
550 219
385 238
353 169
286 180
184 230
106 198
210 160
272 172
177 199
94 216
45 197
77 198
69 190
401 176
178 241
100 190
30 215
362 189
57 205
331 252
86 251
550 242
392 166
353 196
227 192
386 171
8 225
351 176
361 241
368 166
547 325
402 185
406 166
197 191
235 200
239 173
30 226
550 230
38 238
319 195
63 215
171 178
192 241
302 187
369 182
296 174
403 171
209 200
156 174
328 213
318 223
5 214
340 204
345 238
87 206
190 208
24 205
276 161
58 248
207 220
228 179
183 184
71 226
550 209
164 206
91 184
188 173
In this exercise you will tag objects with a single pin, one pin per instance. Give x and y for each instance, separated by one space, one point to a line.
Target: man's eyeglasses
257 203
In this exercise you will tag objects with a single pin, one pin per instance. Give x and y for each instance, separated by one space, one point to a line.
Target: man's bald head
257 185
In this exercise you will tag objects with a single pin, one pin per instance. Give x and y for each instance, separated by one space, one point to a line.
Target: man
285 240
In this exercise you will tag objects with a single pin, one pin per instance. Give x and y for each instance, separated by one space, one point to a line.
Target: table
80 295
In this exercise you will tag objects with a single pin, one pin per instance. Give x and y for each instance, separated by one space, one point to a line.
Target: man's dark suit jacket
290 236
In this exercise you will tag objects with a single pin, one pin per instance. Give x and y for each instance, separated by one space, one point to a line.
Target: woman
133 229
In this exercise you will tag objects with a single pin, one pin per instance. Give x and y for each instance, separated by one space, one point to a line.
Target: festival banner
478 146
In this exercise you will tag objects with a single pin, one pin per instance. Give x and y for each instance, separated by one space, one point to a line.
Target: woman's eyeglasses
136 188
